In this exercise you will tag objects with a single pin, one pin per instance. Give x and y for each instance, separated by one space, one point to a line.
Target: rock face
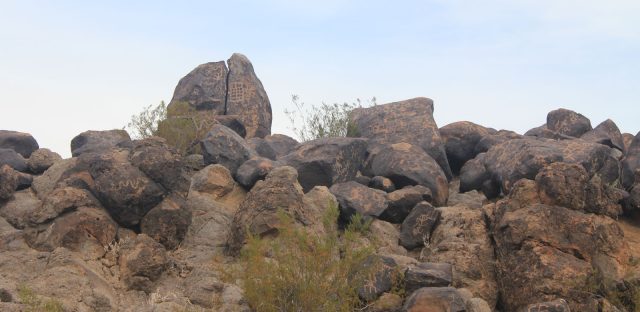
259 211
568 122
327 161
409 121
23 143
217 90
417 227
406 165
225 147
99 141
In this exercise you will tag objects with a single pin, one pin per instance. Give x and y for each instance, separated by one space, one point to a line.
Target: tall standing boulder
409 121
23 143
246 97
327 161
204 89
568 122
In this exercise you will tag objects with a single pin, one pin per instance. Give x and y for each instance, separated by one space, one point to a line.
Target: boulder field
476 219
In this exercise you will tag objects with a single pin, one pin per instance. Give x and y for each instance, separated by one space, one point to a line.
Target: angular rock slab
410 121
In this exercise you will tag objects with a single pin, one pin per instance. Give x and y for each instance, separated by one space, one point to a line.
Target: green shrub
35 303
145 124
326 120
360 224
301 271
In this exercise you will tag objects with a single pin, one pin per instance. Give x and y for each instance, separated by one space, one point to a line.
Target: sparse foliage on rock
145 124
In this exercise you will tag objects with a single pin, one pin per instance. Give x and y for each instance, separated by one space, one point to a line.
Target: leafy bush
145 124
301 271
36 304
326 120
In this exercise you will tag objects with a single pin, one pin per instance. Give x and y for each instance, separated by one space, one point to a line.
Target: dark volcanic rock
8 181
494 139
13 159
568 122
460 139
258 213
23 143
627 138
125 191
427 274
417 227
225 147
354 197
406 165
41 159
382 183
327 161
233 122
558 305
606 133
382 277
161 163
262 147
281 144
142 260
204 88
402 201
167 223
253 170
409 121
435 299
473 174
631 163
99 141
246 97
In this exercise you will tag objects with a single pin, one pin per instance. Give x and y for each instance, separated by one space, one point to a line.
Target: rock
544 132
471 199
60 174
22 143
435 299
460 139
194 162
141 262
461 238
214 180
606 133
402 201
568 185
386 237
478 305
258 213
60 201
24 180
382 183
161 163
364 180
253 170
406 165
41 159
632 203
125 191
204 88
225 147
473 174
355 198
383 273
19 209
233 122
281 144
388 302
167 223
543 252
246 97
8 182
627 139
13 159
409 121
631 163
489 141
316 204
568 122
558 305
87 230
427 274
327 161
262 147
416 228
99 141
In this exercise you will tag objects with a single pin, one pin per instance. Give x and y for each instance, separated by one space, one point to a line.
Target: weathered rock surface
8 182
435 299
253 170
427 274
22 143
204 88
606 133
381 281
142 260
281 144
13 159
382 183
568 122
225 147
99 141
355 198
41 159
460 140
246 97
161 163
409 121
417 227
631 163
402 201
327 161
559 305
262 148
168 222
406 165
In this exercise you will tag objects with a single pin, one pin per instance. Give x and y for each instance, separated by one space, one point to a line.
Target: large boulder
281 144
214 180
41 159
327 161
417 227
427 274
99 141
225 147
460 139
409 121
354 197
168 222
631 163
405 165
13 159
23 143
161 163
142 260
627 138
435 299
402 201
258 213
262 148
246 97
204 88
568 122
382 272
606 133
253 170
8 182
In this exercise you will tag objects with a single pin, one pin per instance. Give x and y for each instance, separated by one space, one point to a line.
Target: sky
71 66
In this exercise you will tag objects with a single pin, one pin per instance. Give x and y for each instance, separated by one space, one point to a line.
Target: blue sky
71 66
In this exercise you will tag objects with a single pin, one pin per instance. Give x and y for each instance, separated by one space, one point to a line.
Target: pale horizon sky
71 66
